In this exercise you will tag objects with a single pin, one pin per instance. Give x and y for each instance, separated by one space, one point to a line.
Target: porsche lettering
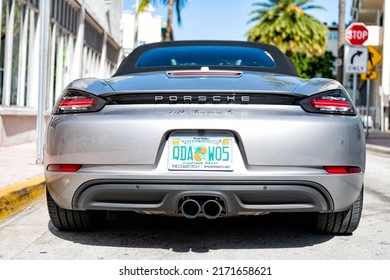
202 98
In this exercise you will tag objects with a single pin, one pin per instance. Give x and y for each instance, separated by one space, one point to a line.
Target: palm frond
286 25
144 3
179 4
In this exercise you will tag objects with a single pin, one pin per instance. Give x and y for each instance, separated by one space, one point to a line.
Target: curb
16 197
378 149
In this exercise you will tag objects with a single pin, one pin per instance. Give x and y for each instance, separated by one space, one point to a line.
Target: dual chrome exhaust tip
191 208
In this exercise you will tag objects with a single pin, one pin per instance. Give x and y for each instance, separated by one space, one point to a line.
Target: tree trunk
340 42
169 21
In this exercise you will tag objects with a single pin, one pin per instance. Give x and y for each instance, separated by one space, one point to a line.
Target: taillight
329 102
64 167
78 102
342 169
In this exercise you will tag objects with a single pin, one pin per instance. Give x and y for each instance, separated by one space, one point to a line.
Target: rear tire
341 222
65 219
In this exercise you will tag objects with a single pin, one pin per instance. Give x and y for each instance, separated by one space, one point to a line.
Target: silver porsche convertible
205 129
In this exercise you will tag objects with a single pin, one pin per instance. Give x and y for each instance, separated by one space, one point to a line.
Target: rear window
192 55
185 56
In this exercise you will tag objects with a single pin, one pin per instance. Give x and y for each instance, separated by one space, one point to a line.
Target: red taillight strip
76 103
342 169
64 167
204 73
325 103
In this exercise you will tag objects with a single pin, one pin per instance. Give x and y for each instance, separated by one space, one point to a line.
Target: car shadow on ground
131 230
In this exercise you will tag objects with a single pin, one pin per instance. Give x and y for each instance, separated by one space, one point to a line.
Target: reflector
64 167
342 169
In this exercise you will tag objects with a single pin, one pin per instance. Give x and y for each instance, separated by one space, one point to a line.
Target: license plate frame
200 153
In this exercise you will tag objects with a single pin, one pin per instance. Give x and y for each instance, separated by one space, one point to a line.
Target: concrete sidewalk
22 181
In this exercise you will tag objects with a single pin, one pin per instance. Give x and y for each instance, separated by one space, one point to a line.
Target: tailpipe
211 209
190 209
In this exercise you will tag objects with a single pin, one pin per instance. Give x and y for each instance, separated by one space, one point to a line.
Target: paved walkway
17 163
22 179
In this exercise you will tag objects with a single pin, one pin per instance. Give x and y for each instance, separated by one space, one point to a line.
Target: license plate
200 153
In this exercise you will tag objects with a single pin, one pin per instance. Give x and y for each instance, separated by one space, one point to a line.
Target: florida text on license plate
200 153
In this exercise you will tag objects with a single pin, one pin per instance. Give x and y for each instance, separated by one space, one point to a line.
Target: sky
228 19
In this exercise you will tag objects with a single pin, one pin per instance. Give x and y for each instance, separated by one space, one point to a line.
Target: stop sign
356 34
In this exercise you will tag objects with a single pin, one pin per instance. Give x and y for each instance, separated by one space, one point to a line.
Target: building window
112 51
65 15
35 3
19 50
333 36
2 45
15 52
93 36
19 20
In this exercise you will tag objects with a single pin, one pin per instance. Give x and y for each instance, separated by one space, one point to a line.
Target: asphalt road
29 235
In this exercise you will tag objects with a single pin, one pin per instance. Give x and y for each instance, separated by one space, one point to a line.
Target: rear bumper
247 194
238 197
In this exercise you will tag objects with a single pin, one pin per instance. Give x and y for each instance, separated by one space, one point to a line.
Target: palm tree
285 24
179 4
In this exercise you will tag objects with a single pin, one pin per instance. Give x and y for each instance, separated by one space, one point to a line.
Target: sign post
356 34
367 107
370 75
355 62
44 8
374 57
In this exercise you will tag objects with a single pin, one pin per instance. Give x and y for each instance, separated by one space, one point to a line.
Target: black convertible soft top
217 55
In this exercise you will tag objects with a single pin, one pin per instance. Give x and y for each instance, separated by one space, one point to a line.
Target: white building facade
331 43
81 39
375 14
139 29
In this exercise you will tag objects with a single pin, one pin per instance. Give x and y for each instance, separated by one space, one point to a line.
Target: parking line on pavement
16 197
